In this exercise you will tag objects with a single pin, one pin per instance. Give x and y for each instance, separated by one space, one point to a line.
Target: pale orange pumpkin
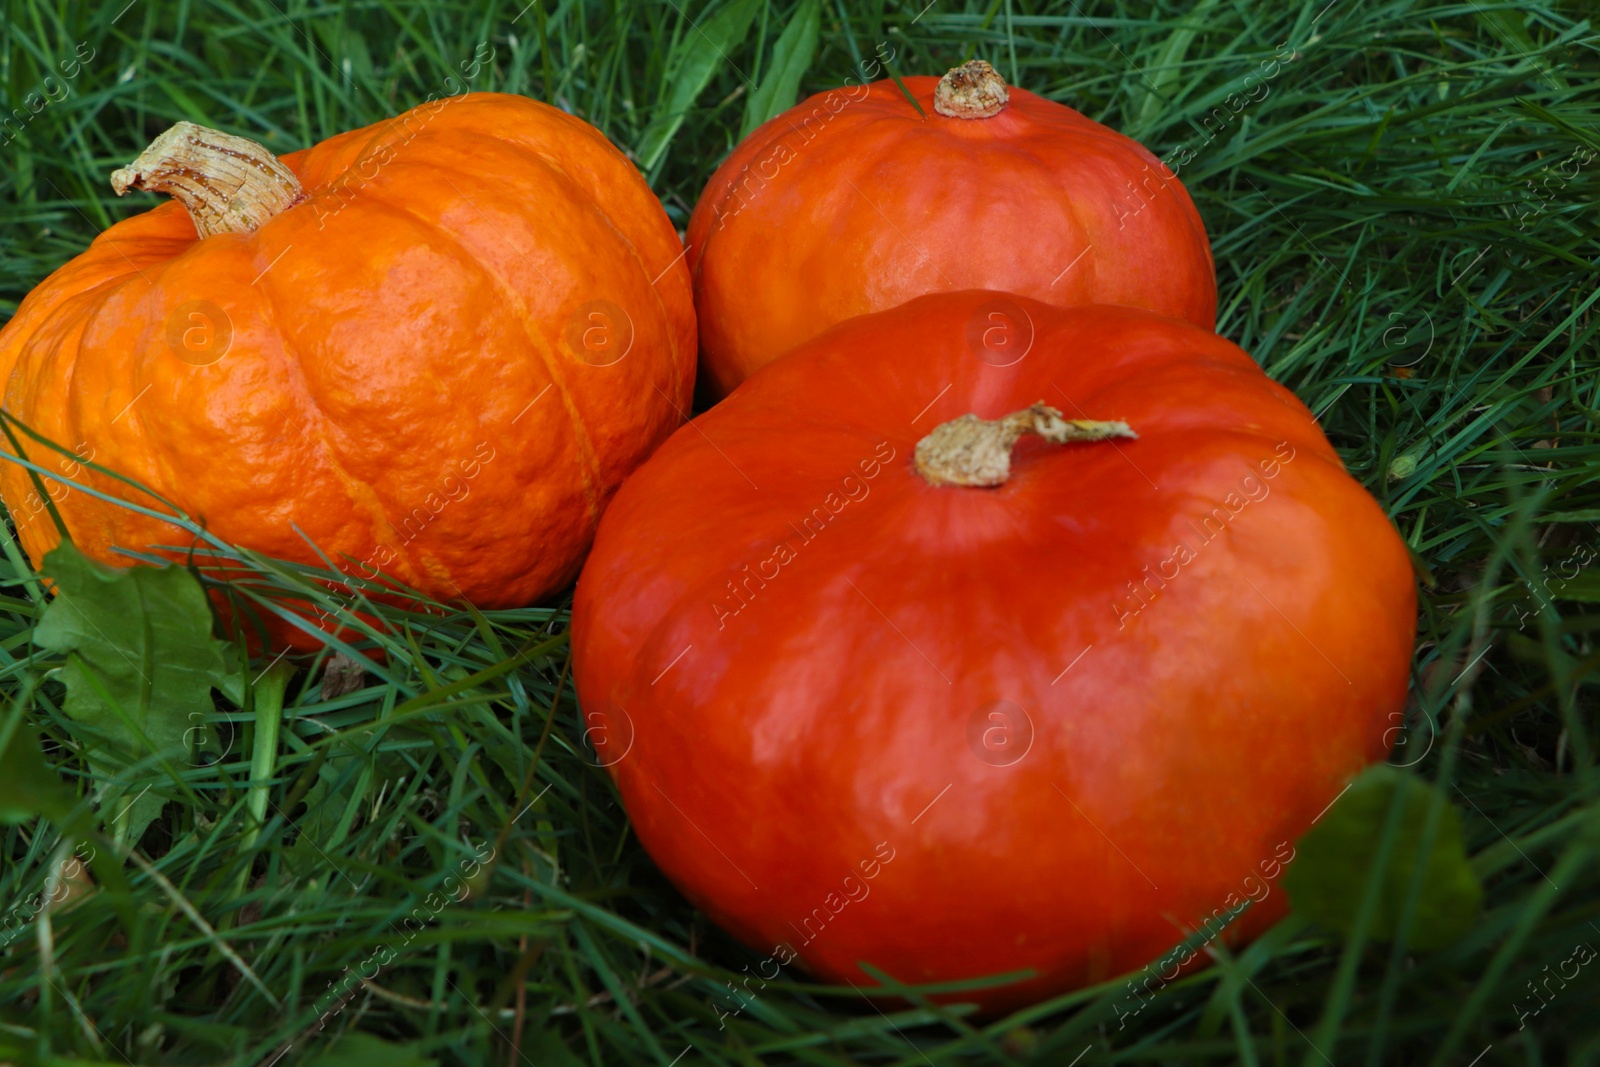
431 348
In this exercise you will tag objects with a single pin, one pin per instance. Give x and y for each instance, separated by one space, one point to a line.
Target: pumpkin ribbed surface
439 364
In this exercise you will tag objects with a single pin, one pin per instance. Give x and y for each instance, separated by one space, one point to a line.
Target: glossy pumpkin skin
419 378
852 203
789 648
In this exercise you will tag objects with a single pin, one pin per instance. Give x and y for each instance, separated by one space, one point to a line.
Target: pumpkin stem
227 184
977 452
973 90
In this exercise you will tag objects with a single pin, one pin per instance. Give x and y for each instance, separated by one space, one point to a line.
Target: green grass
1403 235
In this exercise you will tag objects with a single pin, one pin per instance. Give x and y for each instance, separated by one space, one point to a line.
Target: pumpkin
431 348
856 201
904 655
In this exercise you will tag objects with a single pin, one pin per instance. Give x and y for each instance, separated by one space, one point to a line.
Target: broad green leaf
699 54
356 1049
28 784
791 58
140 670
339 786
1328 880
333 803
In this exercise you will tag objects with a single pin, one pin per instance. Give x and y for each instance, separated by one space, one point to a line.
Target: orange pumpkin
854 202
1022 692
432 348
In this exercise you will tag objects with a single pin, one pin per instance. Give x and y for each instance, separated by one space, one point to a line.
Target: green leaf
28 784
334 801
140 670
791 58
356 1049
1328 880
339 786
694 61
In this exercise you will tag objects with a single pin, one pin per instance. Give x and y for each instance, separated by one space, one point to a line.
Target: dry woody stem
973 90
227 184
977 452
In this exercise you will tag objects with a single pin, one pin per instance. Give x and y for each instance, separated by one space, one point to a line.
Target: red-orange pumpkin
854 202
432 347
877 693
